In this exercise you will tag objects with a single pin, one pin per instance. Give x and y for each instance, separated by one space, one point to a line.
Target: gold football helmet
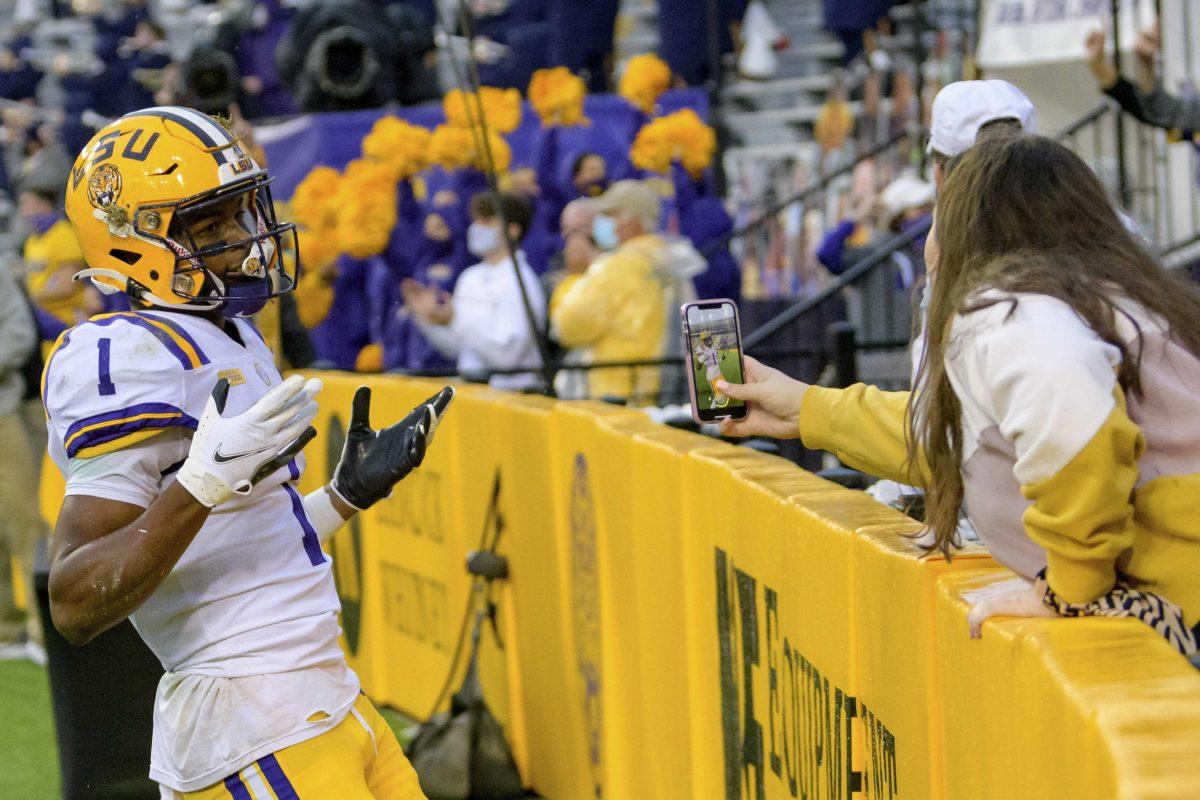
706 338
135 193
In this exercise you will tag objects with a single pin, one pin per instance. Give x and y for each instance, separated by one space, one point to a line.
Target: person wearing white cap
965 109
904 202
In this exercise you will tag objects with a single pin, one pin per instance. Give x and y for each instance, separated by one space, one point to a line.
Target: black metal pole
1119 119
716 81
843 354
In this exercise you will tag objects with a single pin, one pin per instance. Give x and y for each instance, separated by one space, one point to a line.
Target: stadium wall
690 619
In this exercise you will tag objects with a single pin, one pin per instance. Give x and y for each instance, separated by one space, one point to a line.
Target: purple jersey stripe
236 788
312 542
279 782
181 333
125 413
115 424
110 433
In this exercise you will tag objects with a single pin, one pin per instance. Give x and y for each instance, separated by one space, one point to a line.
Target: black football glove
374 461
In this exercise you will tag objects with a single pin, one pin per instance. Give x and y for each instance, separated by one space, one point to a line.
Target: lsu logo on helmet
104 186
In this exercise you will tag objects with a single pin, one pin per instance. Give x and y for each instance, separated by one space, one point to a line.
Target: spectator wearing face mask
555 180
485 323
620 308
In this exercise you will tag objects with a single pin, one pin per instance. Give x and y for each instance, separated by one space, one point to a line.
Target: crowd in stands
605 236
67 69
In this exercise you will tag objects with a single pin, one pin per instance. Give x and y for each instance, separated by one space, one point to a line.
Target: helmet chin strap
145 294
103 288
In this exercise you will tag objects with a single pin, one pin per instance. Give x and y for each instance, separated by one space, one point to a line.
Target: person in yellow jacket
1056 397
52 257
617 308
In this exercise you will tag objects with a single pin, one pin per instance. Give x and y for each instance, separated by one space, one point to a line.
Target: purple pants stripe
236 788
279 782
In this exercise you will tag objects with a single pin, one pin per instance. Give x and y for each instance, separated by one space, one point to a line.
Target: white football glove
231 454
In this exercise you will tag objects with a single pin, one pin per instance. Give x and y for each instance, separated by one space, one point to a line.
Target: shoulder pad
115 380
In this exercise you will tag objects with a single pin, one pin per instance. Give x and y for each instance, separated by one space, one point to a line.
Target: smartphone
713 343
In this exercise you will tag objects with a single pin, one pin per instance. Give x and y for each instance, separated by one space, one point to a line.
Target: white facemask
482 239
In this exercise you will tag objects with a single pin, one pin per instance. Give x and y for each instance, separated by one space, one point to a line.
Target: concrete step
756 89
798 115
638 42
801 151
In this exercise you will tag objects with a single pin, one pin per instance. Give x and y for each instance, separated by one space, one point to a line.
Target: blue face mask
604 232
245 298
482 239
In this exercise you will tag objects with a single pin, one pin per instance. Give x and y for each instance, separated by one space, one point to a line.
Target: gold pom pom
501 108
402 147
646 77
455 148
680 137
313 200
366 208
318 247
557 96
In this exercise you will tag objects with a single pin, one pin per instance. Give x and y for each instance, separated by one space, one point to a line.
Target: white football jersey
710 358
254 592
253 596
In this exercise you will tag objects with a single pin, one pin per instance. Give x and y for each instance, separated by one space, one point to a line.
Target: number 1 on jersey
106 386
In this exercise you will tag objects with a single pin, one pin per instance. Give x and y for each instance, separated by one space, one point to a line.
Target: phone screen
715 352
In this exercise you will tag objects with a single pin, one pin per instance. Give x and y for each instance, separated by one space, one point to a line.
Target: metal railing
1153 181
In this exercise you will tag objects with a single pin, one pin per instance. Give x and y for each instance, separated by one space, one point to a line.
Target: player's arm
108 556
373 461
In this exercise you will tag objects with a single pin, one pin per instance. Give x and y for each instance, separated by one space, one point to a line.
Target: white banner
1021 33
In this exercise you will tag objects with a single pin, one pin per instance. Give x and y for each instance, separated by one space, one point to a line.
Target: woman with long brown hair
1056 397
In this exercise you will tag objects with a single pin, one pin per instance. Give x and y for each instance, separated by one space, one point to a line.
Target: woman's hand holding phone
773 400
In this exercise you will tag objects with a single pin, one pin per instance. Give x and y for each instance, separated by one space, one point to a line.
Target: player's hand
772 398
230 454
374 461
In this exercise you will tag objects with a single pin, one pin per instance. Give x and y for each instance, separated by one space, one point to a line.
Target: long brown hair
1025 214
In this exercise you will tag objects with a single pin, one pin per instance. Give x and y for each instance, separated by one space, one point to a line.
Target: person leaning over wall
1056 397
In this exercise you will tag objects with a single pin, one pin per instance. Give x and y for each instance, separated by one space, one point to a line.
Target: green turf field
30 761
730 369
30 770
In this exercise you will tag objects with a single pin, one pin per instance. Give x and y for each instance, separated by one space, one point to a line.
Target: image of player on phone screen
713 342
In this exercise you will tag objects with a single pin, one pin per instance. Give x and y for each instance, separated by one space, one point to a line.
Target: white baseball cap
907 191
962 108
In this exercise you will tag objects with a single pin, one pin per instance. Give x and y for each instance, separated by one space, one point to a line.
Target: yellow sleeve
1083 514
864 427
585 309
561 290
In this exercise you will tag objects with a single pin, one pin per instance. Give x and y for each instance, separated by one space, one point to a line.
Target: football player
180 443
710 357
